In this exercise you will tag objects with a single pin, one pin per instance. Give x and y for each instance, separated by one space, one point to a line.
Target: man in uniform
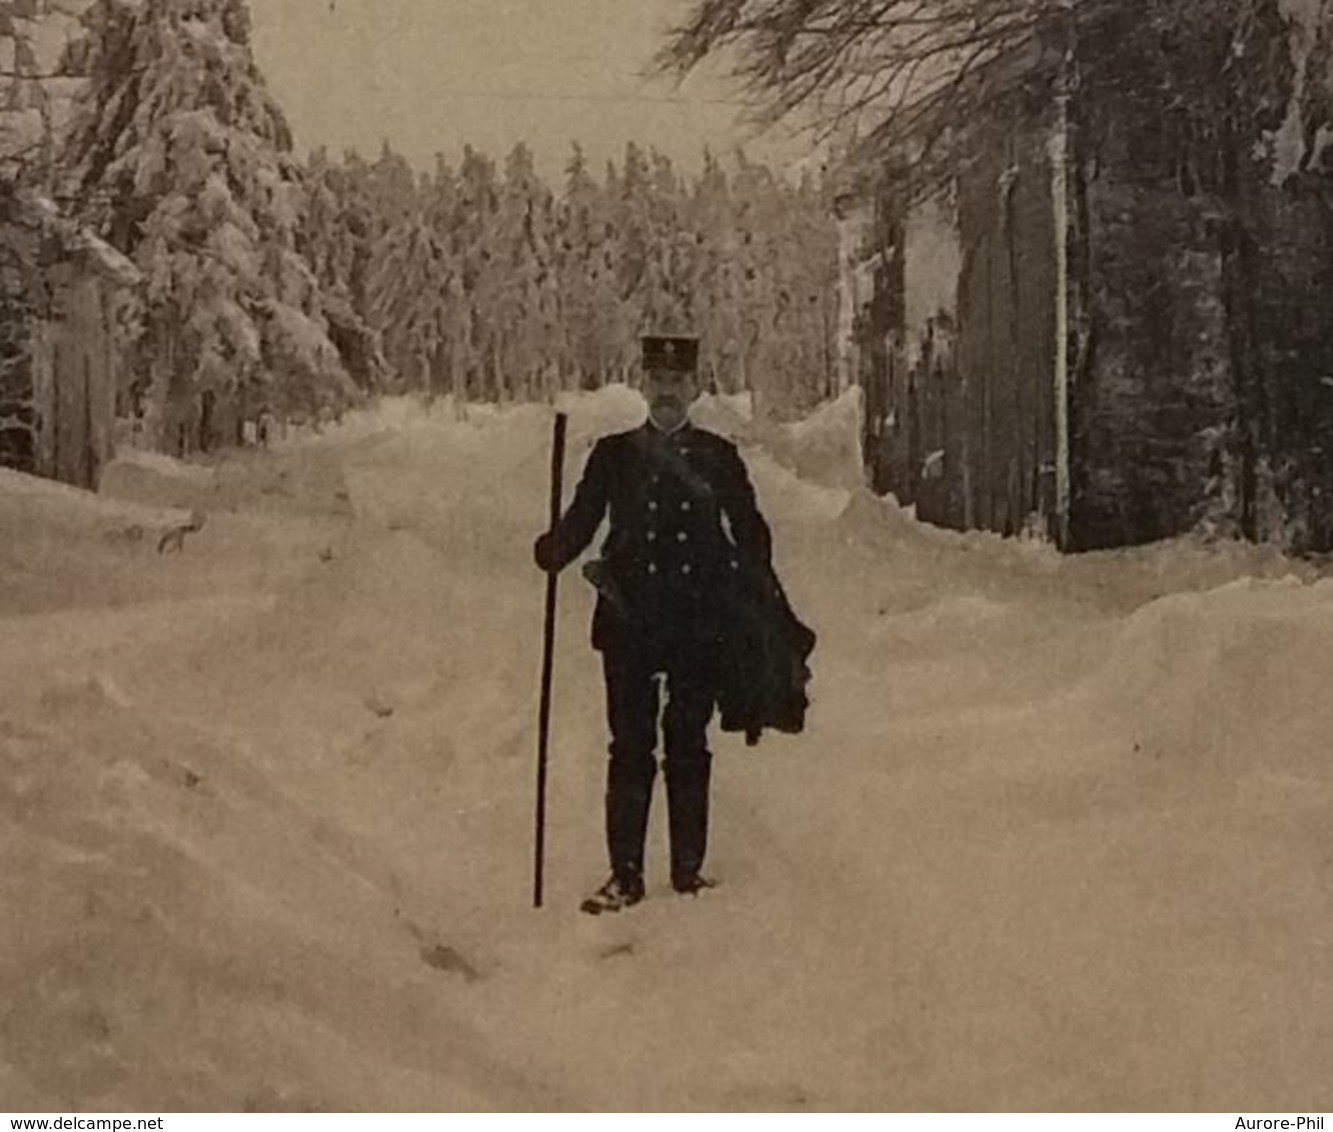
666 567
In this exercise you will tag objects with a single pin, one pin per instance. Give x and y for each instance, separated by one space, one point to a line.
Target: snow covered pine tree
183 162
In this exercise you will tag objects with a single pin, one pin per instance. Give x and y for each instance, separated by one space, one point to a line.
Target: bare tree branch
891 73
919 77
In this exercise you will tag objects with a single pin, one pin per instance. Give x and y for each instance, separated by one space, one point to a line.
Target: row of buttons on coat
653 506
686 568
681 536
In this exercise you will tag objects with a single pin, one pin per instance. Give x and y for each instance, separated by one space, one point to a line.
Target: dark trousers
634 684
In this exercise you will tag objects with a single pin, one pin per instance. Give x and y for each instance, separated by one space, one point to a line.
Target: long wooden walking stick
548 663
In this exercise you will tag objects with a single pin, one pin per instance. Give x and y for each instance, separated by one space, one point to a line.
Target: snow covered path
1056 836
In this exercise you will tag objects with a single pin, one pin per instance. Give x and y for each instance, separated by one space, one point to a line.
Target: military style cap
677 353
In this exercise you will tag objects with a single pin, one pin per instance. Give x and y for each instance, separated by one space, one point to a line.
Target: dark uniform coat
668 558
686 569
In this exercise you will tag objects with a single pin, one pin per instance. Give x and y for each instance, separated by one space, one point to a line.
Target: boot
617 893
629 795
687 801
691 884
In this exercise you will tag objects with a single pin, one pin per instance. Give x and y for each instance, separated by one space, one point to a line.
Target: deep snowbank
1231 679
1055 837
179 935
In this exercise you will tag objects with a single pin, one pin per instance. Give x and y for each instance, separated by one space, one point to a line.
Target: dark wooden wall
1004 445
960 422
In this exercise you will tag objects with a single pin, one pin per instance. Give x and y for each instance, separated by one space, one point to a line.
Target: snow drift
1055 836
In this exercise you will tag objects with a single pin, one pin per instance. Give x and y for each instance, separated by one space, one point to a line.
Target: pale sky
432 74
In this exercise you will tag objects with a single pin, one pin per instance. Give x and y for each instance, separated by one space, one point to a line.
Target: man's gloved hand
543 552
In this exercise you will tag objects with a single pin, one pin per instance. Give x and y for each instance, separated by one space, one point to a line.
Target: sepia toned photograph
654 556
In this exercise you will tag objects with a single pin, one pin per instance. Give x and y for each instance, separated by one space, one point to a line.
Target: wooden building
60 364
1133 343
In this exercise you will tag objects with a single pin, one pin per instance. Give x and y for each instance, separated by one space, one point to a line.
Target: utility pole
1058 150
